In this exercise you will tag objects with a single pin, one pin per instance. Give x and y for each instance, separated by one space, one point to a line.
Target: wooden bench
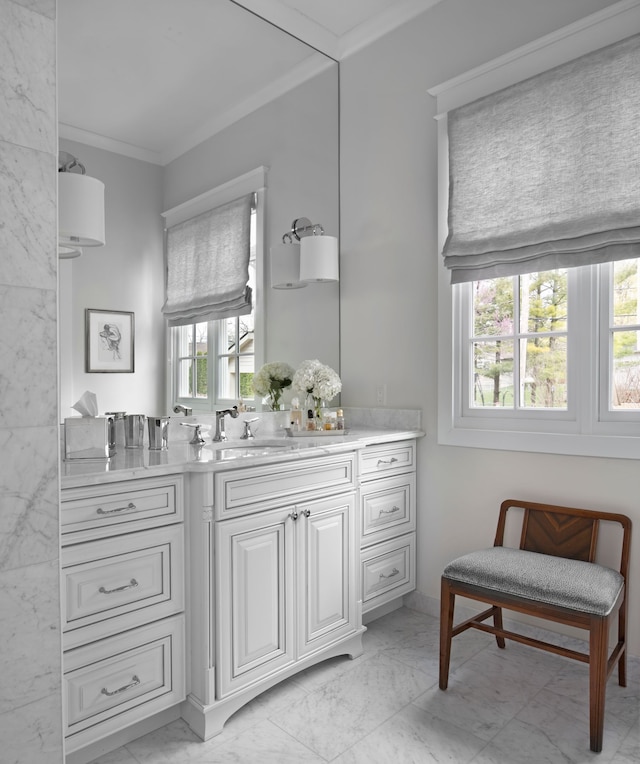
552 575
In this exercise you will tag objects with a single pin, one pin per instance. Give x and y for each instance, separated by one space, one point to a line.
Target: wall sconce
313 260
80 208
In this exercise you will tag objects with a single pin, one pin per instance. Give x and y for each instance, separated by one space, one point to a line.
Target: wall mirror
158 128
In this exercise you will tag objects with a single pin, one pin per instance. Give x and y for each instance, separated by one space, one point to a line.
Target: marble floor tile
564 722
512 706
629 751
413 736
334 717
483 694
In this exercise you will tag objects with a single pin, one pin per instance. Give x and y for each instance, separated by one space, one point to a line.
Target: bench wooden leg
447 604
622 639
497 622
598 652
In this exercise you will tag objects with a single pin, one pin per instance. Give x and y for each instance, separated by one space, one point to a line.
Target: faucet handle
247 434
197 439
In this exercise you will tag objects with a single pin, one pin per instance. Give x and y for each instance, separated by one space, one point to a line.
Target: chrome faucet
220 415
247 434
180 409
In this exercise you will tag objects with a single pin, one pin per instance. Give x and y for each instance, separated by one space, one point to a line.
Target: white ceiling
153 78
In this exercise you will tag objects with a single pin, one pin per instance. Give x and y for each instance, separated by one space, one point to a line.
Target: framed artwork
109 341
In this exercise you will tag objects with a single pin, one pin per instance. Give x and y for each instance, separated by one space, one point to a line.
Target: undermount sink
248 450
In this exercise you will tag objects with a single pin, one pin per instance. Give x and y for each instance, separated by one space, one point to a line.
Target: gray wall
30 684
127 274
390 260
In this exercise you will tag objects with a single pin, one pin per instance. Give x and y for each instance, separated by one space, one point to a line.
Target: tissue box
89 437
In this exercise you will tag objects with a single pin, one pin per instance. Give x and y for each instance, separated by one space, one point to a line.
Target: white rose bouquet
271 380
319 381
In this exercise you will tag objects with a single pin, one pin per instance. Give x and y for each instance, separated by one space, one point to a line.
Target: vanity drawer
387 508
244 491
120 507
119 583
119 681
393 457
388 571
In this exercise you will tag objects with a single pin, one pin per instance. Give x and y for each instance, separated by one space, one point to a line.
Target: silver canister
158 433
118 423
134 430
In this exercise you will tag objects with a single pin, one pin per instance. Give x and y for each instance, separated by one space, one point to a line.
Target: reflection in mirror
250 96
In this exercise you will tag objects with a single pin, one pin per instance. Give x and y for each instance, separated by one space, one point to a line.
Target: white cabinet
285 587
273 582
123 605
387 523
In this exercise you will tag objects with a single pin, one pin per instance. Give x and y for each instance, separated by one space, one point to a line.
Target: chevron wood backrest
562 531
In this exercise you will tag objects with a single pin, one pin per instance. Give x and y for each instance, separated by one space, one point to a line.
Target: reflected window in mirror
213 362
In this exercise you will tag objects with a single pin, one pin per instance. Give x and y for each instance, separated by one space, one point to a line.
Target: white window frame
254 181
582 430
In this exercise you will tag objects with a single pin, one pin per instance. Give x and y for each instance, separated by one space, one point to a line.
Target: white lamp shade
319 259
285 266
80 211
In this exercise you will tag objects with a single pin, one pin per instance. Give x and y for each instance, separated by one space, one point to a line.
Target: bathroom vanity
196 578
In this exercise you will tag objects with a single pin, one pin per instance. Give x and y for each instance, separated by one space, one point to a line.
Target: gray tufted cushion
583 586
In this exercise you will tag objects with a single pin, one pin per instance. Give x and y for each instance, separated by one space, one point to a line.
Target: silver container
118 423
134 430
158 433
89 437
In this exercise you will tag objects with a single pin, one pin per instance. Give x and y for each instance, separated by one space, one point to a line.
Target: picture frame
109 341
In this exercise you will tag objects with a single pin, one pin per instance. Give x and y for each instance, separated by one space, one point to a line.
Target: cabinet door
254 590
326 572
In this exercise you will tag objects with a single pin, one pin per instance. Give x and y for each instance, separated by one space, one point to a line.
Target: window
213 359
539 317
555 352
517 345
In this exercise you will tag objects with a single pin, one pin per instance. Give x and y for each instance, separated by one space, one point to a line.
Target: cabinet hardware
386 461
389 511
306 512
131 585
134 681
101 511
393 573
293 515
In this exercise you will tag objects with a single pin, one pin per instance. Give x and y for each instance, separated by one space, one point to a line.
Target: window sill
569 444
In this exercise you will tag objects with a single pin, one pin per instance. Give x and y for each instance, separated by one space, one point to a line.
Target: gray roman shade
208 265
546 173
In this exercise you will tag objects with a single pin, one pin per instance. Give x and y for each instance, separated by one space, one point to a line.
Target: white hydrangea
272 377
316 379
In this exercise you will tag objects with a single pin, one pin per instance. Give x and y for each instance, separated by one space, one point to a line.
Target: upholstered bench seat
574 584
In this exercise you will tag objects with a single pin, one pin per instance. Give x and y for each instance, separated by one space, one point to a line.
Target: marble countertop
229 455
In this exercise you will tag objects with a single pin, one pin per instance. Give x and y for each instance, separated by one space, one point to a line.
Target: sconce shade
80 212
285 266
319 259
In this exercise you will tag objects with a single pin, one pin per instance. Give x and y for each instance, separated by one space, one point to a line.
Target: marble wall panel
28 357
28 209
27 77
44 7
34 729
29 527
30 650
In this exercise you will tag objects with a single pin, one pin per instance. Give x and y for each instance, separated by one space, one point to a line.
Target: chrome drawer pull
389 511
305 512
294 515
134 681
386 461
393 573
131 585
101 511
